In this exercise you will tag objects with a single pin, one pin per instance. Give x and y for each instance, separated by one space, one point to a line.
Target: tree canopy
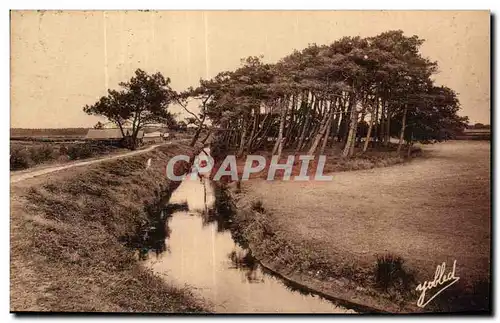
141 101
375 86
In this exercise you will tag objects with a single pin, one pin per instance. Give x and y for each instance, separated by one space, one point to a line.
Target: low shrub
80 151
63 150
20 159
415 152
28 154
359 164
40 154
389 272
258 206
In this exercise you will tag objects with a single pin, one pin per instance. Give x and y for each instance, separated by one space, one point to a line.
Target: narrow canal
201 254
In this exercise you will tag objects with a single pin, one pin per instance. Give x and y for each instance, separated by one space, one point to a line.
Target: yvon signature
440 279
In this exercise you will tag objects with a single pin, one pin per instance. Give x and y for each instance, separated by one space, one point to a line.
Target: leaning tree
141 101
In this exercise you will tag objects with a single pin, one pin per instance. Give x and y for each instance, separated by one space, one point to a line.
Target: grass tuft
390 273
258 206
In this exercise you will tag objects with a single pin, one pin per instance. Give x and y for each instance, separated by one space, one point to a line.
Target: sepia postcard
250 162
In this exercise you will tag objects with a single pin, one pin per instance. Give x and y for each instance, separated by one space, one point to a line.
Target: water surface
202 255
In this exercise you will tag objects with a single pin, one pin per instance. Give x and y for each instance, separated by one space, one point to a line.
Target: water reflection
198 195
245 262
152 233
203 255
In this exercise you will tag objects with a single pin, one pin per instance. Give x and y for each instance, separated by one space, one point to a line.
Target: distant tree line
479 126
42 132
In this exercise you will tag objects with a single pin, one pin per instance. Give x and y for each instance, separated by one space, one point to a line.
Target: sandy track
24 175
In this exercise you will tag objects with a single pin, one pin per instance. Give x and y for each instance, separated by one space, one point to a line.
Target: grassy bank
68 233
308 267
370 237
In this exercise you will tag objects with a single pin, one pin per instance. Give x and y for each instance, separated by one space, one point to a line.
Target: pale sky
61 61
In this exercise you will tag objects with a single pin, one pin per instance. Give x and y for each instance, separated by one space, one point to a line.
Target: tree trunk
410 144
402 131
299 124
118 122
368 135
198 131
282 125
375 123
345 116
303 132
136 125
195 138
280 147
336 124
291 123
306 125
321 132
387 138
243 137
206 137
351 137
327 134
382 124
252 144
254 129
263 137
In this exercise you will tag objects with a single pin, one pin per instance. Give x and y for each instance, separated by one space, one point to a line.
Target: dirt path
430 210
23 175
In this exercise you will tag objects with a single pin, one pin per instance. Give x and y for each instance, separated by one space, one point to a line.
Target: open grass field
432 210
